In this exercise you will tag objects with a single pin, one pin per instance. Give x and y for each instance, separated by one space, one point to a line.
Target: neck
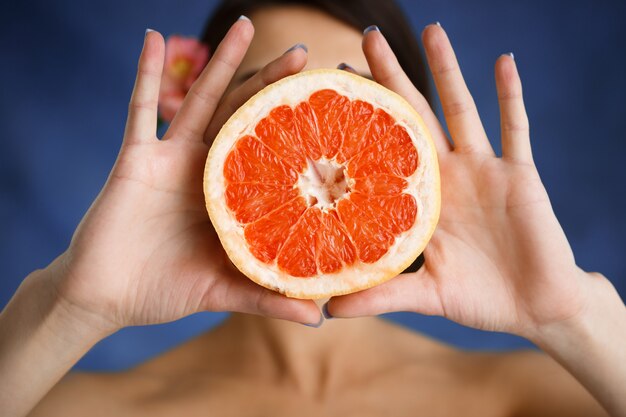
311 360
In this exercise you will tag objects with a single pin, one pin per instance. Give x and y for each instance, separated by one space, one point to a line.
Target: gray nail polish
370 29
242 17
297 46
344 66
438 24
511 55
148 30
316 325
325 312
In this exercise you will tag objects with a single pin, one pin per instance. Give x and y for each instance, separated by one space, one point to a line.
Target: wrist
590 345
601 309
39 297
41 338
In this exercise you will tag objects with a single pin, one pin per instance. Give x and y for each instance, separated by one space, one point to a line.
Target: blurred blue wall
67 70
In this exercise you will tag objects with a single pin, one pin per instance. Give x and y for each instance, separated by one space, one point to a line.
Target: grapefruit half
323 183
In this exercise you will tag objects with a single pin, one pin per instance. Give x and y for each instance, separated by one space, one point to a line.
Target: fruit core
323 183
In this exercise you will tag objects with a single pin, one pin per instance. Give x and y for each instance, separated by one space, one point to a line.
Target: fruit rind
424 184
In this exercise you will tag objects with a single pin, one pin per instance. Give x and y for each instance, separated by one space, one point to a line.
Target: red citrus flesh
366 208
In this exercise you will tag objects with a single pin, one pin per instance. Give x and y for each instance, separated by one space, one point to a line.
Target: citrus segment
394 154
334 247
395 213
308 132
278 132
265 235
367 128
332 111
360 115
249 201
371 239
380 184
252 161
297 255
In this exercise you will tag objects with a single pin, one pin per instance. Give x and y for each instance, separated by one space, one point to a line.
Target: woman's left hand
498 259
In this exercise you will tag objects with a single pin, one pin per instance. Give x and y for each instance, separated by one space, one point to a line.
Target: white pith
323 183
423 184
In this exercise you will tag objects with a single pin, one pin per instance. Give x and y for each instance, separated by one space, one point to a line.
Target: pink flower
185 58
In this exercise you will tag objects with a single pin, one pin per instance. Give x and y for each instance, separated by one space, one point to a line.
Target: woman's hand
146 251
498 259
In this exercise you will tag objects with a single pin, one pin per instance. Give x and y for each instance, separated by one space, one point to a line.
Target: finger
192 119
142 110
459 109
345 67
241 295
291 62
387 71
513 118
414 292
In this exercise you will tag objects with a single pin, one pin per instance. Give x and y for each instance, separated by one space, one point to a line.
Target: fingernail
148 30
242 17
297 46
435 24
510 54
370 29
325 312
344 66
316 325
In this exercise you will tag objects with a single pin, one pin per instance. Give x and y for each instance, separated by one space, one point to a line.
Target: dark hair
386 14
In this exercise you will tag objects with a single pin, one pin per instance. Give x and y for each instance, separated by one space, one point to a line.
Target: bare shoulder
541 387
97 394
520 383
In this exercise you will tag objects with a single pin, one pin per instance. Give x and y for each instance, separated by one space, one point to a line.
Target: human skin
166 272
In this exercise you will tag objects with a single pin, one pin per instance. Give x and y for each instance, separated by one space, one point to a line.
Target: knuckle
394 78
446 68
271 72
509 95
205 95
389 74
145 72
419 105
225 62
516 125
261 303
388 68
138 104
467 148
187 131
264 77
457 107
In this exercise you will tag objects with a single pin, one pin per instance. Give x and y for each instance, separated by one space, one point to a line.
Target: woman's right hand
146 251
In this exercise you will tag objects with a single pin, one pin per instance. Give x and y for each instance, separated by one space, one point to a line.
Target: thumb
415 292
239 294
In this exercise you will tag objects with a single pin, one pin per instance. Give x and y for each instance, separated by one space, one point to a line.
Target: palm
146 251
498 246
159 230
498 259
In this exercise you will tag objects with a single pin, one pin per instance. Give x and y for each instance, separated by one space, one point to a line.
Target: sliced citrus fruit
323 183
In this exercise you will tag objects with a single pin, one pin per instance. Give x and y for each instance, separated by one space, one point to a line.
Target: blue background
67 69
